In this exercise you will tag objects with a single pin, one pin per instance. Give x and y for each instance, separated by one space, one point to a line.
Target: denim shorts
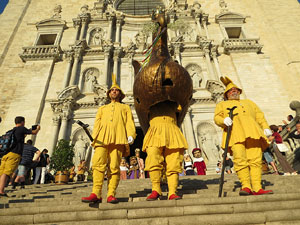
268 157
22 170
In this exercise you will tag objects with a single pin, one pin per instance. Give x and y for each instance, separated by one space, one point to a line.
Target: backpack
7 142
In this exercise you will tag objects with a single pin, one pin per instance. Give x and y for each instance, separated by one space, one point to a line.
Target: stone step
177 215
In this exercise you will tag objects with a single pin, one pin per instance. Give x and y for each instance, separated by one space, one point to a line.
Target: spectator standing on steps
25 164
41 168
10 161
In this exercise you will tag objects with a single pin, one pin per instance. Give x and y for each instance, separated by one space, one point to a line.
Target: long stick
225 151
85 126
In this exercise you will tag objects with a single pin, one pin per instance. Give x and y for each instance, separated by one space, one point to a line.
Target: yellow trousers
9 163
107 157
154 164
247 159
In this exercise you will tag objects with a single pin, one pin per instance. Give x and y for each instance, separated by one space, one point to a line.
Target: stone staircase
61 204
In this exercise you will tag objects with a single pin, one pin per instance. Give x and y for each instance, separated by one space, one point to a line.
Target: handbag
282 147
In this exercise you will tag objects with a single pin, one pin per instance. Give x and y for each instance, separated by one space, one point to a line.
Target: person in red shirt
199 163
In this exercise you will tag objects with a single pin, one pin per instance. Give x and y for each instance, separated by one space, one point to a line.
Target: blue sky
3 3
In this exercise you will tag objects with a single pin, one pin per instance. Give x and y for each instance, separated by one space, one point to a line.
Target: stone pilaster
206 50
77 26
117 53
107 53
85 18
119 23
189 132
77 58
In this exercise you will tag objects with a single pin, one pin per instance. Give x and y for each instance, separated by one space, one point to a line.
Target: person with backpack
10 161
29 152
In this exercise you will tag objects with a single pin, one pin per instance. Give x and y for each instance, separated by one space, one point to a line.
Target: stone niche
209 142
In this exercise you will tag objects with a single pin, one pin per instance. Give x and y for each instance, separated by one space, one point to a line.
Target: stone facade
57 59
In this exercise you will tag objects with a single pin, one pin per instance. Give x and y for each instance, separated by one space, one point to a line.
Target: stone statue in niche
98 37
209 143
188 34
141 40
90 80
195 73
197 8
80 148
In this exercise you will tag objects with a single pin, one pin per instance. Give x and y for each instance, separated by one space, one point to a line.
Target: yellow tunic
163 130
113 125
248 122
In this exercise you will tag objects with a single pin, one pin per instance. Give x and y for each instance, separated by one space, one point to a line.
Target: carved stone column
208 62
117 53
84 21
77 57
110 27
204 22
107 52
70 59
77 26
214 53
189 132
119 24
197 18
56 120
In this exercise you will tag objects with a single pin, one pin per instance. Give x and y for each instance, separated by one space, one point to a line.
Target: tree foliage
62 157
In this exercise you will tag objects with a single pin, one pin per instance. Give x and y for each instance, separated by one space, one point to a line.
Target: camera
34 127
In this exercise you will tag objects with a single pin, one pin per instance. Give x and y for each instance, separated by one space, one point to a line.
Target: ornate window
138 7
235 37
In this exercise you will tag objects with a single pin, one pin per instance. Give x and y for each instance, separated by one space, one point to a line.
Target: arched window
139 7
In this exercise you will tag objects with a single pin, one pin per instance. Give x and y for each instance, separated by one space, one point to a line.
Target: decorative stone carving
195 72
241 45
57 11
216 89
209 142
70 92
90 80
97 36
141 40
36 53
80 149
84 10
223 6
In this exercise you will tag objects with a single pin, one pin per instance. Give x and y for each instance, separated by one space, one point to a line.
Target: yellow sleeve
219 116
260 117
130 127
97 123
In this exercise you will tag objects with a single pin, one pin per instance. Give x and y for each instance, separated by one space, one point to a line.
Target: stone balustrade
241 45
41 52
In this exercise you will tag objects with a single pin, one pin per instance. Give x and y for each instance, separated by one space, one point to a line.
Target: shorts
227 168
22 170
9 163
268 157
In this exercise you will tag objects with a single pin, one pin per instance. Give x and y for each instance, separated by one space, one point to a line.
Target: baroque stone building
57 59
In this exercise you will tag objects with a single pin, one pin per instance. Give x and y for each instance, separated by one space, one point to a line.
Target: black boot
22 185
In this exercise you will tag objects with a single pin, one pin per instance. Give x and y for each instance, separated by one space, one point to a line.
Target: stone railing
41 52
241 45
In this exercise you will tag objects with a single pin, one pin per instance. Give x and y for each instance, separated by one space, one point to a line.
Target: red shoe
174 197
263 192
92 198
111 199
245 192
153 196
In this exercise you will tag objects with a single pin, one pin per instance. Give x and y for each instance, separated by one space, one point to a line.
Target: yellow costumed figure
248 137
164 142
113 131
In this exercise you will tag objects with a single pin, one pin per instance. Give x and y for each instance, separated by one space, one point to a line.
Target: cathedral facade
57 60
